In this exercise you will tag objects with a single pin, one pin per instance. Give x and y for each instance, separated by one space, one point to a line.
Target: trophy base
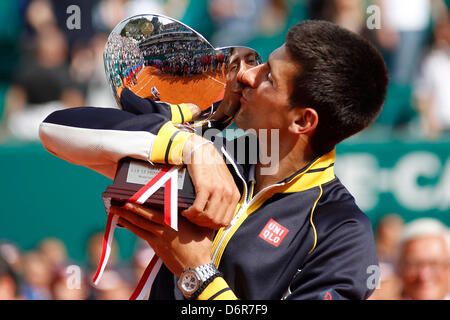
133 174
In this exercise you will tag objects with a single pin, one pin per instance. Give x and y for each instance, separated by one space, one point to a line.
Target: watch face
189 282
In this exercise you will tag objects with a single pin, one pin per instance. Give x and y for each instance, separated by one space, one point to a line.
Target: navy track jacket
302 238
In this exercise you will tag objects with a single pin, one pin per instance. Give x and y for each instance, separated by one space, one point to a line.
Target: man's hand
195 110
190 247
216 192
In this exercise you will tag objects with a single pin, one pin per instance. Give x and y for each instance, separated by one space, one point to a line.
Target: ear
304 121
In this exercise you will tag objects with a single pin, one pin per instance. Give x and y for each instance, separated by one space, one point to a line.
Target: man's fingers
139 221
215 209
145 212
199 204
230 197
141 233
231 210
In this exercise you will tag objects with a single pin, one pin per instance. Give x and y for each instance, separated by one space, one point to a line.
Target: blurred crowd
52 58
414 264
414 259
48 273
48 63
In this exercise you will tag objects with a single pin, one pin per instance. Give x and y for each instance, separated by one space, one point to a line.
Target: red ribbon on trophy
168 176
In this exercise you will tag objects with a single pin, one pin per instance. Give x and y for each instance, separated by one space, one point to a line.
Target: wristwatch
193 281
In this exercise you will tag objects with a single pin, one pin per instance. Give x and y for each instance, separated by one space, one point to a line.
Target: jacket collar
317 172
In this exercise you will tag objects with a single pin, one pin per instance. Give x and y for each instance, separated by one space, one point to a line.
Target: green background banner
44 196
411 179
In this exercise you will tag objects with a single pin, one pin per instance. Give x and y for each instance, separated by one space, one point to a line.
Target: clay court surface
177 89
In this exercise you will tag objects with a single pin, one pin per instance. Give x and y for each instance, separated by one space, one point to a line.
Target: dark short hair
342 76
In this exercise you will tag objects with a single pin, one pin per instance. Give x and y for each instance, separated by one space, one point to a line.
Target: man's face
266 93
424 268
241 59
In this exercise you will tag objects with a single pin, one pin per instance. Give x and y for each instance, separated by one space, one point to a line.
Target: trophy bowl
162 59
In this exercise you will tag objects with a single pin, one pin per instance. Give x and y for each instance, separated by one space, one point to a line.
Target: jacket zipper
241 211
244 206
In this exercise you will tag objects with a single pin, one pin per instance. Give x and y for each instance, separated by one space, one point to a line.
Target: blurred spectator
389 287
106 14
273 18
42 85
8 281
349 14
54 251
63 287
432 91
142 258
175 8
116 279
404 32
283 15
82 65
94 251
11 253
235 21
424 260
135 7
38 276
113 286
64 13
402 38
98 91
40 14
387 236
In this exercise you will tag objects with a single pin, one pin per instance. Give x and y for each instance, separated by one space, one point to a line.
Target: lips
244 96
235 97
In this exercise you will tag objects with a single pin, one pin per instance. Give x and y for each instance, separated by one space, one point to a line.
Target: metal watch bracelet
206 274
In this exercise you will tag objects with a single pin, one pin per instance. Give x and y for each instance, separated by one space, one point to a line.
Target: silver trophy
160 58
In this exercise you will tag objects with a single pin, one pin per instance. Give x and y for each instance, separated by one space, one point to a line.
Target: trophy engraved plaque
132 175
161 59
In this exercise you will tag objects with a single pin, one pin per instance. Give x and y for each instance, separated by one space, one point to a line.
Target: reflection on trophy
152 51
155 94
161 59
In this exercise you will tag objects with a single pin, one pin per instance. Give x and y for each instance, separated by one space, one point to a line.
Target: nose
249 75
